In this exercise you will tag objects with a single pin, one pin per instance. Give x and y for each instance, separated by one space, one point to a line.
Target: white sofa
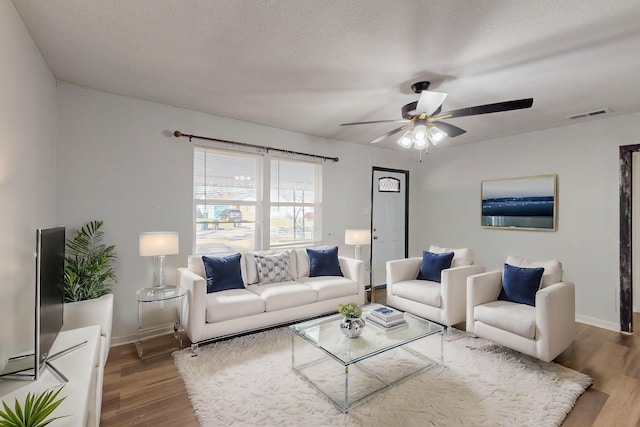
443 302
542 331
208 316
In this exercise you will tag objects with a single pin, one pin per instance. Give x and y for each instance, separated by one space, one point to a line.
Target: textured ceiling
309 65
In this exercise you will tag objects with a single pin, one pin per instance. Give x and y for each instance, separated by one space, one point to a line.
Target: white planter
98 311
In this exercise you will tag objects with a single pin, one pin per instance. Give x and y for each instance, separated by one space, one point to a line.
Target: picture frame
524 203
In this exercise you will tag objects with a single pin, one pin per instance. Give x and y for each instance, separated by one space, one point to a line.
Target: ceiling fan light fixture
406 139
420 144
419 133
436 135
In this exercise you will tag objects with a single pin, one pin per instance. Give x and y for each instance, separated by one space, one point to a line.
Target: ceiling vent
589 114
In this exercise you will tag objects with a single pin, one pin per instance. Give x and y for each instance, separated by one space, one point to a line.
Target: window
230 210
294 202
226 188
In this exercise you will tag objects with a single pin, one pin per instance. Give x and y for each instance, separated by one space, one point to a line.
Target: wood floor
151 393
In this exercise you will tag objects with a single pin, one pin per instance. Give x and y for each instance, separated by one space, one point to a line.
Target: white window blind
226 189
229 208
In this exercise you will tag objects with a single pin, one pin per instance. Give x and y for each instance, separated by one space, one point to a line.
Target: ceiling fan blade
429 102
376 121
386 135
451 130
517 104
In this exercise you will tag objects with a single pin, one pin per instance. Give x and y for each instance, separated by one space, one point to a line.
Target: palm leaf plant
35 412
88 269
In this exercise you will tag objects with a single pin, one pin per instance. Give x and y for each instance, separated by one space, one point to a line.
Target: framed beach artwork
527 203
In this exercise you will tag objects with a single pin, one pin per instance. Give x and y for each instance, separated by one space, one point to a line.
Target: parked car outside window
231 215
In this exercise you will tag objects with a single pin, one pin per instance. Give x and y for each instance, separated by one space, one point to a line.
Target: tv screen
49 291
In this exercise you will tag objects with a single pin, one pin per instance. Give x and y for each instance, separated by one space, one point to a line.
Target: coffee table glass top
325 333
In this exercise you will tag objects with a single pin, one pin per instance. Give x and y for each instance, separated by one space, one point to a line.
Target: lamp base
158 272
358 252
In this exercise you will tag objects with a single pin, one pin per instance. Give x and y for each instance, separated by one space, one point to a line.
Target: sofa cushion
195 264
461 257
509 316
328 287
251 264
433 264
284 295
552 269
421 291
232 304
324 262
223 273
302 263
520 284
273 268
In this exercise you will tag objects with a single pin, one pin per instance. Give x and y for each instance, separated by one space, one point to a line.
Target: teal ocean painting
528 203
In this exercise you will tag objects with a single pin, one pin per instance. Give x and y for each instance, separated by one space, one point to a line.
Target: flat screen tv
49 291
48 308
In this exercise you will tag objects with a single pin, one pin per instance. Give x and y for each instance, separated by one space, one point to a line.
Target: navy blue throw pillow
223 273
433 264
520 284
324 262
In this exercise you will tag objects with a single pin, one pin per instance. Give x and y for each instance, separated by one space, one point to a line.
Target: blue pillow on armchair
520 284
223 273
324 262
433 264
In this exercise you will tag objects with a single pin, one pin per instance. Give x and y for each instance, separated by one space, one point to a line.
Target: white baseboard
148 333
612 326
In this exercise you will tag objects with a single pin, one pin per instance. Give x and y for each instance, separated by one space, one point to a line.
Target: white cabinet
79 366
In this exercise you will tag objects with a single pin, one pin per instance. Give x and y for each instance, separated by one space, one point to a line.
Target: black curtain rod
178 134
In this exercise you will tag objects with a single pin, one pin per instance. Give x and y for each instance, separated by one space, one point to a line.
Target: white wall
119 162
585 158
27 175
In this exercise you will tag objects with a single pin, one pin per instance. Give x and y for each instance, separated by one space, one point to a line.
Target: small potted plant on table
352 324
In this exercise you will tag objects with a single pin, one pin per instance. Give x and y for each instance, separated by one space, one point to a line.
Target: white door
389 228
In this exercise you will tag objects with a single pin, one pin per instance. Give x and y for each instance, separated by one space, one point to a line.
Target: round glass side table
159 298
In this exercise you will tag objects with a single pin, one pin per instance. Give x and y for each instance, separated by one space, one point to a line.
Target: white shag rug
248 381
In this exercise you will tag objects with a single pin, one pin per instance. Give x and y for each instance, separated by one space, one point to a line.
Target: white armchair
542 331
443 302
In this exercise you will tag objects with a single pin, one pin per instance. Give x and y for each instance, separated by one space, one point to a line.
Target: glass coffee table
350 370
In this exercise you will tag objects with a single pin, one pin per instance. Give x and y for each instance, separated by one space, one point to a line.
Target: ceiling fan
422 118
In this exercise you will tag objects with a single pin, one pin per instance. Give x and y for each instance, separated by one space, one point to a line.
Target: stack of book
386 318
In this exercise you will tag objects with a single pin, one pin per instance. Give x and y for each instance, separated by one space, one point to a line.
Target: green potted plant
352 324
34 412
89 269
88 276
350 309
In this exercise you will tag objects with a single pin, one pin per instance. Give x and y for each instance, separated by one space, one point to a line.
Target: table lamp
158 244
357 237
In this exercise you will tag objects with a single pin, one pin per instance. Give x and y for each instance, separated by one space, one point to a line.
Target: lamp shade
159 243
357 237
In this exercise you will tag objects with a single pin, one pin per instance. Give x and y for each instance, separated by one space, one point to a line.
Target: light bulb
436 135
405 139
420 144
420 133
